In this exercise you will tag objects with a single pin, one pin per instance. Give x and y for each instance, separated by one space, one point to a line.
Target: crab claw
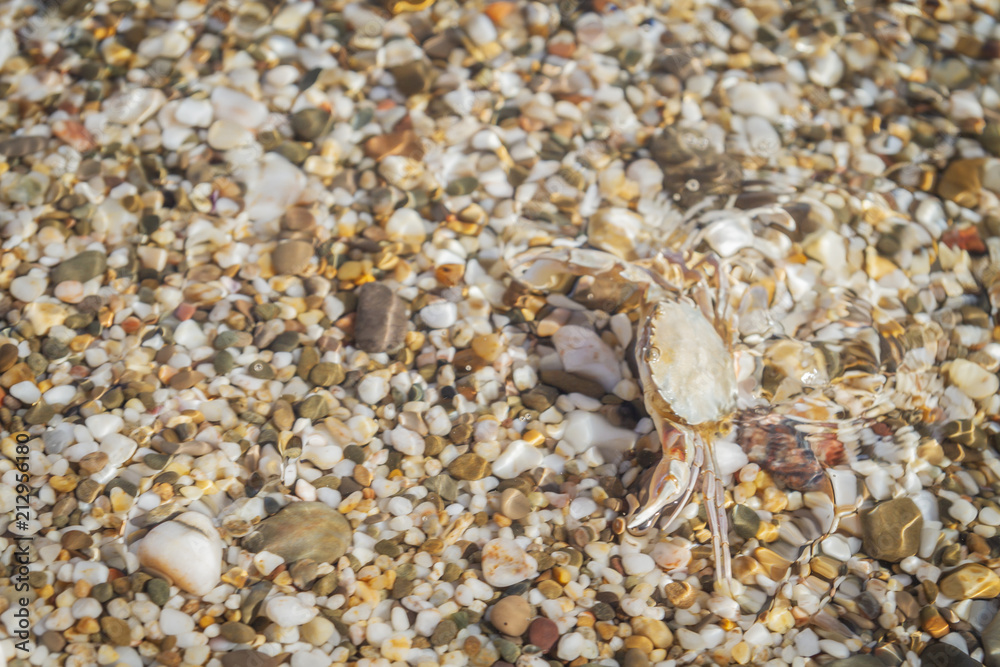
659 487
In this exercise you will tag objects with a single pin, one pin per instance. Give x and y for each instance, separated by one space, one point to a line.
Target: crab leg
670 482
714 492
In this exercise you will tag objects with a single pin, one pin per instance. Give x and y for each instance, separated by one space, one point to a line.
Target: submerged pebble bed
286 405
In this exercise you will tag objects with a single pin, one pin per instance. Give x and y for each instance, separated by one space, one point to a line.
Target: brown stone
381 320
891 530
969 582
543 633
291 257
511 615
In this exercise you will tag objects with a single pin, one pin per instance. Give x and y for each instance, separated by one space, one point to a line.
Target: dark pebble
158 591
381 319
543 633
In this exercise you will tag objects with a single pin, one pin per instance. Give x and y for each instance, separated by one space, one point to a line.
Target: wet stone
158 591
381 320
117 631
469 466
511 615
285 342
238 633
540 398
971 581
83 267
312 407
891 530
309 124
261 370
291 257
543 633
746 522
946 655
327 374
569 383
444 633
8 356
303 530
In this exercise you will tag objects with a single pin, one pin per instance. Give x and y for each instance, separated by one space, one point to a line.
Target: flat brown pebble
291 257
511 615
118 631
891 530
381 319
543 633
514 505
94 462
74 540
569 383
53 641
186 379
238 633
469 466
635 658
83 267
282 415
8 356
326 374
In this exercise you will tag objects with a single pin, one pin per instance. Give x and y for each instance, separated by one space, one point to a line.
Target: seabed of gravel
269 394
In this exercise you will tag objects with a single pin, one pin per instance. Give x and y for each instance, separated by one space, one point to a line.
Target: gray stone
381 319
83 267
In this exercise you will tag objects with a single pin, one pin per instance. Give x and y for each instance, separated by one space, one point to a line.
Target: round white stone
186 549
28 288
506 563
26 392
174 622
520 456
439 315
103 425
372 389
638 564
407 442
288 611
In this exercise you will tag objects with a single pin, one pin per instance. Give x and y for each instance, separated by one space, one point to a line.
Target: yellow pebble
206 621
562 575
63 483
741 653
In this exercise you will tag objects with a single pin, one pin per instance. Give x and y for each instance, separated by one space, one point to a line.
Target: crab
687 372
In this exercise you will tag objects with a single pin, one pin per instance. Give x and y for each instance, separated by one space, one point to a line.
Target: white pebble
807 643
638 564
689 640
570 646
288 611
407 442
584 353
962 511
439 315
989 516
103 425
174 622
582 507
28 288
26 392
518 457
372 389
506 563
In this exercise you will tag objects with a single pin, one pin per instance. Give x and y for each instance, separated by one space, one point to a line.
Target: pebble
514 504
511 615
238 633
26 392
974 381
891 530
303 530
291 257
175 622
380 325
82 267
191 534
469 466
584 353
288 611
969 582
439 315
28 288
543 633
506 563
518 457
